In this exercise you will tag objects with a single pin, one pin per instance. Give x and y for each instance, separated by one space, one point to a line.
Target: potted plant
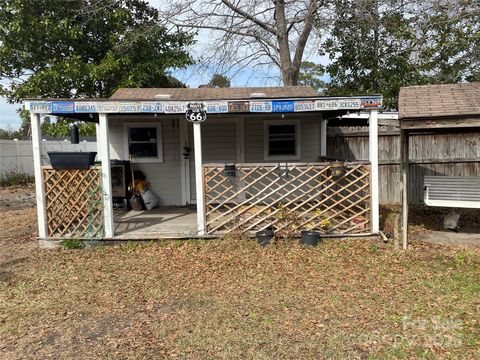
312 237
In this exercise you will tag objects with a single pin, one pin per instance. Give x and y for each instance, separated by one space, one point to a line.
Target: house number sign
196 112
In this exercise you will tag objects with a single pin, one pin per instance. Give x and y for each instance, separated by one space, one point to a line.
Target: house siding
165 177
219 143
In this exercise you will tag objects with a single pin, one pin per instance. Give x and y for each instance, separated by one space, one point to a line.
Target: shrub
15 178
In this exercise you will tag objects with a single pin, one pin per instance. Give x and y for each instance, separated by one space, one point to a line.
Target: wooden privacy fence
448 153
74 203
288 198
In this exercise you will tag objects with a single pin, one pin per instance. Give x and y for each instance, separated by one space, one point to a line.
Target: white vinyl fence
17 155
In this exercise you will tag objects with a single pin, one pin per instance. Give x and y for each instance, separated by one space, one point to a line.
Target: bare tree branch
249 16
277 32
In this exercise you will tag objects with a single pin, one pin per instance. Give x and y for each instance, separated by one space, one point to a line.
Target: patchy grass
234 300
72 244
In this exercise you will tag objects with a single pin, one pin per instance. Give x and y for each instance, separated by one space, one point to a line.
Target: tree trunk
290 76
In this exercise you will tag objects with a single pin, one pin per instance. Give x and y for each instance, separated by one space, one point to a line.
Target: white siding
164 177
219 142
254 140
218 145
310 139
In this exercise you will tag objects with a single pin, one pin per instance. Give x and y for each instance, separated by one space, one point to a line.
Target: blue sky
8 115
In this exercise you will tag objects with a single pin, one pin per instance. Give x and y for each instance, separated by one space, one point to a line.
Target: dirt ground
231 299
18 223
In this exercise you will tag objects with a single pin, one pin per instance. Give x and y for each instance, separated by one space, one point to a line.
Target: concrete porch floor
159 223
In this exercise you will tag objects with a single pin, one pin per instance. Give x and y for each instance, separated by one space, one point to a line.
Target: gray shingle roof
439 100
188 94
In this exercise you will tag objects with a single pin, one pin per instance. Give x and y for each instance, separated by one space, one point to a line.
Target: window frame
266 142
150 159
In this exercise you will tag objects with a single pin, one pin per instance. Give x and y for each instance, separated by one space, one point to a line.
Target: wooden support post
323 137
37 164
197 140
404 144
103 145
374 184
240 131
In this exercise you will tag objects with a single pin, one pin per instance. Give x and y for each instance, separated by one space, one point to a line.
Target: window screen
143 142
281 140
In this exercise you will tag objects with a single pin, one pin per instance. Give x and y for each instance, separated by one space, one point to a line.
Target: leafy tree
85 48
61 127
452 53
311 74
371 49
219 81
377 46
8 134
25 128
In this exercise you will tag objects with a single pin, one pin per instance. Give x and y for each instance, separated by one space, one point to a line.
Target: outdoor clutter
142 194
308 237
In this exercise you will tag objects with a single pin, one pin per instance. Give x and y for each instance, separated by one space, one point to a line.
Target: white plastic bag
150 199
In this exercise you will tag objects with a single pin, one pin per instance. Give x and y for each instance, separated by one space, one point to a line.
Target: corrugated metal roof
214 93
441 100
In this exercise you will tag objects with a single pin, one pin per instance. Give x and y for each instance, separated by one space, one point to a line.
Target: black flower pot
310 237
71 160
264 237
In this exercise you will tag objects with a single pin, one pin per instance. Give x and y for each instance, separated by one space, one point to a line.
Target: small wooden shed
437 108
257 161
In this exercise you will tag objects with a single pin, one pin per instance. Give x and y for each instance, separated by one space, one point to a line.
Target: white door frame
184 163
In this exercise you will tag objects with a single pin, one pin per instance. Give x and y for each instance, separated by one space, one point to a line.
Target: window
143 142
282 140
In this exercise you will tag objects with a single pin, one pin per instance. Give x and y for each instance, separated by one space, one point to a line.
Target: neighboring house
256 158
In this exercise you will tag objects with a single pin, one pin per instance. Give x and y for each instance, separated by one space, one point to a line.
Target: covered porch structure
258 161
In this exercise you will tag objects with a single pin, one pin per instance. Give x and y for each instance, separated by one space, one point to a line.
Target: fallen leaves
232 299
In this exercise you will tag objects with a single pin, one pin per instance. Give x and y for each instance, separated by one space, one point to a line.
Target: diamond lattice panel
74 203
288 198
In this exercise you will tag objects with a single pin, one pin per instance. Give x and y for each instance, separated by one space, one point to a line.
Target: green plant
15 178
72 243
324 223
95 205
